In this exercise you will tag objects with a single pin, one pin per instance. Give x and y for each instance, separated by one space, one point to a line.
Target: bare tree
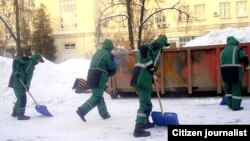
141 23
8 27
18 42
16 16
135 24
130 26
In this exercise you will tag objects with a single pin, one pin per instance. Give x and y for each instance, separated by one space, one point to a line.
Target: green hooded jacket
23 68
102 65
231 58
147 62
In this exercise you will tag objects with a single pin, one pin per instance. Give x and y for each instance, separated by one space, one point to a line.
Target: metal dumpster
186 70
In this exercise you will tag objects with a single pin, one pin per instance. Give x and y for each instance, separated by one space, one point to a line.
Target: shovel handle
158 96
27 90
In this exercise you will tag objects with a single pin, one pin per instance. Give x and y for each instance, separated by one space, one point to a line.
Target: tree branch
112 16
9 29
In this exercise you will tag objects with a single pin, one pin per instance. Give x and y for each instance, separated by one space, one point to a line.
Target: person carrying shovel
147 62
23 68
102 66
234 61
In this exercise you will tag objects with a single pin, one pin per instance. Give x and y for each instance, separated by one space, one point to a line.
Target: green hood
162 40
37 57
107 45
231 40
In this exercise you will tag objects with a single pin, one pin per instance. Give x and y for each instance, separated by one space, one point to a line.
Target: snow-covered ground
52 86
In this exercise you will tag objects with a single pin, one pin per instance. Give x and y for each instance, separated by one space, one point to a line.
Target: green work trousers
145 107
96 99
233 94
20 104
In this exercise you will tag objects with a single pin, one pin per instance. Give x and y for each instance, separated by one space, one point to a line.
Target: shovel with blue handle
160 118
42 109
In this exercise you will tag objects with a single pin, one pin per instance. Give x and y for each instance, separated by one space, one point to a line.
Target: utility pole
18 43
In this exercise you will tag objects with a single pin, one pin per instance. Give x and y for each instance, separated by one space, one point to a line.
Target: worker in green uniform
147 62
23 68
102 66
234 61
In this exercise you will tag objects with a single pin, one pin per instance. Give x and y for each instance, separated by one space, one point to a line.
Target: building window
31 3
225 10
160 19
199 12
7 34
184 16
69 46
241 8
68 13
184 40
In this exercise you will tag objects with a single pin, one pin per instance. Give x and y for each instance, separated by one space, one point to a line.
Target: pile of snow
48 77
219 36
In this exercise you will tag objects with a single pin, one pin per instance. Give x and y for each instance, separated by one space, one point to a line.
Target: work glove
151 70
116 62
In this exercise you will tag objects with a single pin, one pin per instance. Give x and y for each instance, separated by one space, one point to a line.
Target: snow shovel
223 100
42 109
163 119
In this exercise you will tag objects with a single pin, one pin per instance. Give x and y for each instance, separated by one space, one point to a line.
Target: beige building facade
199 18
74 22
207 15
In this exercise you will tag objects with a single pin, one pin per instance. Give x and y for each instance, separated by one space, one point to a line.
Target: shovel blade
43 110
168 118
223 100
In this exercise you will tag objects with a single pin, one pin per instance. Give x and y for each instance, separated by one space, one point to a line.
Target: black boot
140 131
107 116
81 114
149 125
237 109
14 114
21 116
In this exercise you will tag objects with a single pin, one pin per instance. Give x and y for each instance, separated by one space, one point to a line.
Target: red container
186 70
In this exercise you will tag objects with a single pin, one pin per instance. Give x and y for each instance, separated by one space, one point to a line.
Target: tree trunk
130 27
18 43
141 24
